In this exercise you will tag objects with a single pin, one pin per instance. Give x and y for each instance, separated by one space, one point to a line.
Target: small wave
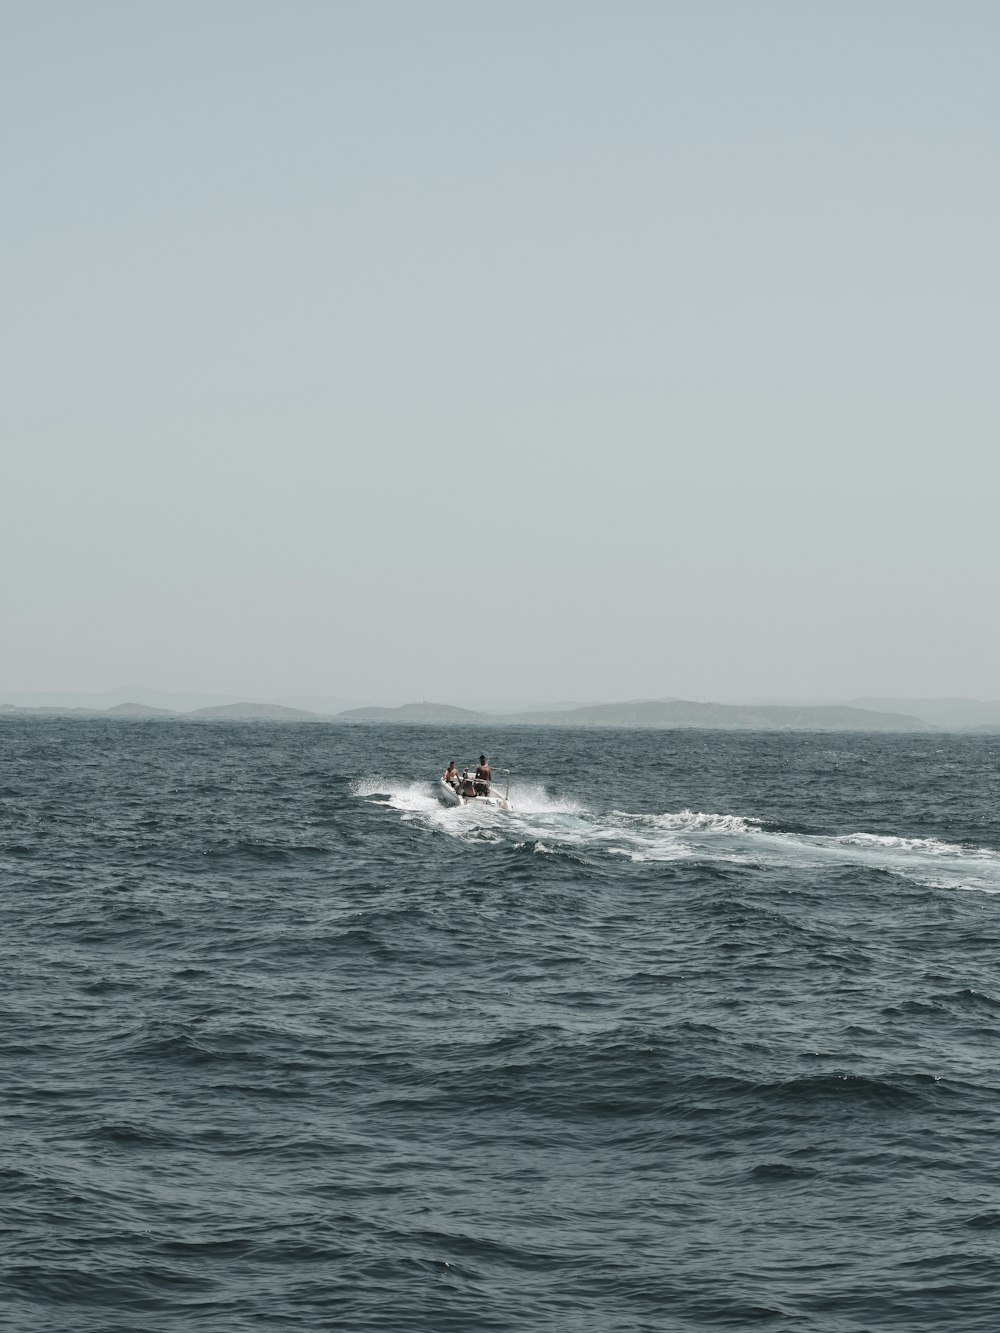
128 1134
977 998
538 848
782 1171
843 1089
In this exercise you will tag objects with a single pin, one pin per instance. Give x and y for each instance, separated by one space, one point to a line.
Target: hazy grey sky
558 349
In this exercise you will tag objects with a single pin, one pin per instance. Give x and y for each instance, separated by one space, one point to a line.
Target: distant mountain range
655 714
968 715
129 696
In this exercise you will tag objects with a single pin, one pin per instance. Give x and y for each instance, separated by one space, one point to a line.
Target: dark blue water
703 1035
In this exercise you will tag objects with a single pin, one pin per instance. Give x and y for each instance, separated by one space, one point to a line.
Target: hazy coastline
869 714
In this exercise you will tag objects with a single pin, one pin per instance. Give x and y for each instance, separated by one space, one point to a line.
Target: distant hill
324 705
250 712
424 713
139 710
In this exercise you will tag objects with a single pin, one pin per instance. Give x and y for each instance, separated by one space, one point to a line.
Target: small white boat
492 802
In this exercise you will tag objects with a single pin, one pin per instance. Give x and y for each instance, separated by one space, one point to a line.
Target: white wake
549 825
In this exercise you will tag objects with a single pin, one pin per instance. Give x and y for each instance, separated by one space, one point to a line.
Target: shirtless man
483 777
450 775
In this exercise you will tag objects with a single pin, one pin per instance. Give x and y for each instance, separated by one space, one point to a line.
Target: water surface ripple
702 1035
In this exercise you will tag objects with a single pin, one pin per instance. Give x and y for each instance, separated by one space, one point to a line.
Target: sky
441 349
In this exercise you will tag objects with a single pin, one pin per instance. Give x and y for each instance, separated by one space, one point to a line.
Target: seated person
450 775
468 787
483 777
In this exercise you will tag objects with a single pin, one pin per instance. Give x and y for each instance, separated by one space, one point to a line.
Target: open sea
705 1034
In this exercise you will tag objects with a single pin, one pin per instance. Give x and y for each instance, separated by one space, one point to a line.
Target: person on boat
468 787
450 775
483 777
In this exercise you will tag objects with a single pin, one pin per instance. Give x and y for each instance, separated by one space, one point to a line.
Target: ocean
702 1035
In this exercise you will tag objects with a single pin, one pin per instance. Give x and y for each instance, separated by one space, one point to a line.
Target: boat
492 802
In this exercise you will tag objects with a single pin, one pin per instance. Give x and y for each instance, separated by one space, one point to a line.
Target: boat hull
491 802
